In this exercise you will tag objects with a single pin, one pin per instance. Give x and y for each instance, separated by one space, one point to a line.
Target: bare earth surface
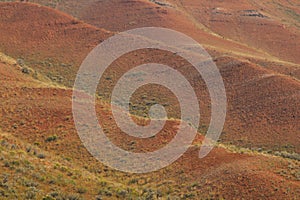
253 43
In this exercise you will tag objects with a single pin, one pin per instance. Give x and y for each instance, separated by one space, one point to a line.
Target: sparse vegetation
42 157
21 62
25 70
51 138
284 154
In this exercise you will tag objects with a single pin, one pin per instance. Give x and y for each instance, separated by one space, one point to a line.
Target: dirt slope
263 113
48 40
263 105
120 15
268 41
254 23
63 167
272 27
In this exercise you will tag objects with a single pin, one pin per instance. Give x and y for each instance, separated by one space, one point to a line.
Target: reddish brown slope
140 13
120 15
263 106
250 23
263 111
33 113
47 112
48 40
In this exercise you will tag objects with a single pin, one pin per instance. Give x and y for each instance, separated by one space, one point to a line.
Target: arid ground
255 45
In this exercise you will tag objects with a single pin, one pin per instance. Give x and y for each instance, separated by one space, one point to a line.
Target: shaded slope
263 106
